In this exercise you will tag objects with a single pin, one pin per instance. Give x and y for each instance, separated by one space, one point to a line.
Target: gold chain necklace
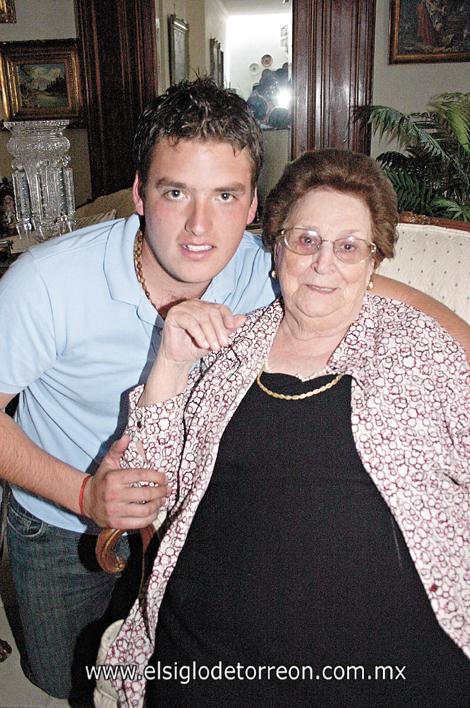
299 396
139 239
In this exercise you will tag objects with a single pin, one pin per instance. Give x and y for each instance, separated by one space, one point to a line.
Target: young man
82 318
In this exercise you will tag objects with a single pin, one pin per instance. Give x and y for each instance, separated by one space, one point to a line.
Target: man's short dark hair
197 110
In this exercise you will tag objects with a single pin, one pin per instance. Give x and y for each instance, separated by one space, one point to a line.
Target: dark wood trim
333 61
145 51
118 46
302 73
408 217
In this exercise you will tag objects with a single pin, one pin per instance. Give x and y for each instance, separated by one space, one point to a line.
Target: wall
408 87
243 39
216 28
49 19
164 9
196 14
206 19
252 36
40 19
248 38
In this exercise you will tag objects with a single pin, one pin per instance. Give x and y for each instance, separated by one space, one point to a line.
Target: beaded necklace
304 379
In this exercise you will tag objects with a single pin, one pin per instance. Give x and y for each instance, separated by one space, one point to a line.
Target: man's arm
28 347
456 326
109 499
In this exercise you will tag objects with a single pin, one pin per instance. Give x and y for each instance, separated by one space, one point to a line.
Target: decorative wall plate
266 60
254 68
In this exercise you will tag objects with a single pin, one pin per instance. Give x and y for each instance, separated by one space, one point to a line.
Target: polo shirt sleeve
27 341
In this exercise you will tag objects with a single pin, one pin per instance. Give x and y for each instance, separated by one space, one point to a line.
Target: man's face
198 200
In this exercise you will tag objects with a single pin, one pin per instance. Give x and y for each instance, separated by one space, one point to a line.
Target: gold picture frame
178 31
429 31
7 11
41 80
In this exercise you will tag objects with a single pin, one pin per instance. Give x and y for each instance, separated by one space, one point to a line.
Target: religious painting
429 31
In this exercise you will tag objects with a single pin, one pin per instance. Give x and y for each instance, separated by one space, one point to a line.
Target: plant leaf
433 174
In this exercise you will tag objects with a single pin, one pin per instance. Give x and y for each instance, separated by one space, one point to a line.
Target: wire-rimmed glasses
306 242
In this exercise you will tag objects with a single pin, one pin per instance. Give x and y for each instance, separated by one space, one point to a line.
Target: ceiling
256 7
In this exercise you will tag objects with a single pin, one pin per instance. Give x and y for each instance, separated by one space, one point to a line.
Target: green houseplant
432 173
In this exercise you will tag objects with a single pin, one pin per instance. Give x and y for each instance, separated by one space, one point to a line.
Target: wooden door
333 62
119 67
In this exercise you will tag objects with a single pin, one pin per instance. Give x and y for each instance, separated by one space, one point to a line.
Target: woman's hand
192 330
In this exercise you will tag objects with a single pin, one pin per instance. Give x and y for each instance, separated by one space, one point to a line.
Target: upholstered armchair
433 255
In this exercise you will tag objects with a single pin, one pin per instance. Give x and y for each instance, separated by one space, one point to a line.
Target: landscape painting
41 80
42 85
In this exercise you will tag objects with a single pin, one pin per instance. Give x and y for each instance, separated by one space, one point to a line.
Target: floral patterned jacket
411 424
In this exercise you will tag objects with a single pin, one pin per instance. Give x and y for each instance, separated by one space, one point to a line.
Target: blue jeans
65 601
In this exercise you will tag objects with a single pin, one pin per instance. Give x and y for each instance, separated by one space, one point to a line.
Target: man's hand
112 497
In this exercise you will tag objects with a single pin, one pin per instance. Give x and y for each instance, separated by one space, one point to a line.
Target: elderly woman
316 546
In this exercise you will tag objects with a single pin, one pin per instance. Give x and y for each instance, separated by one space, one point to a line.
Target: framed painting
221 69
429 31
158 41
214 56
178 31
7 11
41 80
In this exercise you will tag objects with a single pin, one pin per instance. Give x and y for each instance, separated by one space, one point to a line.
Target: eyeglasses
305 242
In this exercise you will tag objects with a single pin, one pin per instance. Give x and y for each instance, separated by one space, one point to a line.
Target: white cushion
435 260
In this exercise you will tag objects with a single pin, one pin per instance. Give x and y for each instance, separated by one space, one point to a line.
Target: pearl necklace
304 379
139 239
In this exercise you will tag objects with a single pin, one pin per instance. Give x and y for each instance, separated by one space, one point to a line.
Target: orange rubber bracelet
81 493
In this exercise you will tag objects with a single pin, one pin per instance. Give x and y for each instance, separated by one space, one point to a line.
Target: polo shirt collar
119 262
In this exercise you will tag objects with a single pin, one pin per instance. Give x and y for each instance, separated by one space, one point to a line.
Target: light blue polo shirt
77 332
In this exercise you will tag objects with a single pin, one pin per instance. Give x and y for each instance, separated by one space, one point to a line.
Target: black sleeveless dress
294 560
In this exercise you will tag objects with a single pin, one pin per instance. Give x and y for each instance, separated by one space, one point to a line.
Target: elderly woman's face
322 285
